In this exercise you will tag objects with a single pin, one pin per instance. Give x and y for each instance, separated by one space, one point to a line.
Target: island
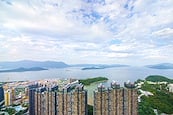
101 66
90 68
161 66
88 81
155 96
21 69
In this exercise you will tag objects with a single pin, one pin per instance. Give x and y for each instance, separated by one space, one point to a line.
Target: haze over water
119 74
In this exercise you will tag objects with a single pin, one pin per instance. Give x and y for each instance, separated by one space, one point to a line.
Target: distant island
24 69
161 66
90 68
99 66
89 81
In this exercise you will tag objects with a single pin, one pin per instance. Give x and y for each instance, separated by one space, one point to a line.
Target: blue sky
135 32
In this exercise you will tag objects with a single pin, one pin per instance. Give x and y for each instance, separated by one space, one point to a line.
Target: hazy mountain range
28 65
31 64
49 64
161 66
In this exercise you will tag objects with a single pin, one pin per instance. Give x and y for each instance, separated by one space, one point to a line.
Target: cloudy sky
136 32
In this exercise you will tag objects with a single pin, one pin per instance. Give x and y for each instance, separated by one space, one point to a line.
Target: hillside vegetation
88 81
162 99
158 78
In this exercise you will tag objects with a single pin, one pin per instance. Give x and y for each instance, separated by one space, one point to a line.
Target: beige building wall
8 97
120 101
72 103
44 103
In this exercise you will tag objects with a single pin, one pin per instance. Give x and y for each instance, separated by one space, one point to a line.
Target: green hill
162 99
92 80
158 78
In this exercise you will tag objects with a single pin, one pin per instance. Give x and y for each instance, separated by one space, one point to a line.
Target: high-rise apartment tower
115 100
48 100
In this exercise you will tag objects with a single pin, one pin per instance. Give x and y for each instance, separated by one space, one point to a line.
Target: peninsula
21 69
88 81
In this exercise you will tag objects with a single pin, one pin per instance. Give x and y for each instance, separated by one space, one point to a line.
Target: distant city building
116 100
170 87
49 100
31 92
16 92
8 97
1 94
13 94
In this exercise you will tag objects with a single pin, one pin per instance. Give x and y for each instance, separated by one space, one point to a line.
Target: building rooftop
129 85
115 85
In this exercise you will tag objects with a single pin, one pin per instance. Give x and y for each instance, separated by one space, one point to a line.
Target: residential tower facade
49 100
116 100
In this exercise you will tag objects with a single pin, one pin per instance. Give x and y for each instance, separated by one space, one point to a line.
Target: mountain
30 64
51 64
161 66
23 69
99 65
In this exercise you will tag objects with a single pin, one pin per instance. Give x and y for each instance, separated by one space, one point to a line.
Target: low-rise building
170 87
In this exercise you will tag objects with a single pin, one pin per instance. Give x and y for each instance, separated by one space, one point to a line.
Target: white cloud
118 55
164 32
122 48
82 32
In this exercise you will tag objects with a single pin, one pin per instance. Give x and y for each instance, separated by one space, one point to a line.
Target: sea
117 74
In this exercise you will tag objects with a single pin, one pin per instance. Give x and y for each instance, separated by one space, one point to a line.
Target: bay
119 74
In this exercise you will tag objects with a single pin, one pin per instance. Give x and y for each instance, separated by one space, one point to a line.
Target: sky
136 32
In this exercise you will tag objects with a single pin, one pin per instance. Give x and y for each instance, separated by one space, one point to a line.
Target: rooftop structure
129 85
115 85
